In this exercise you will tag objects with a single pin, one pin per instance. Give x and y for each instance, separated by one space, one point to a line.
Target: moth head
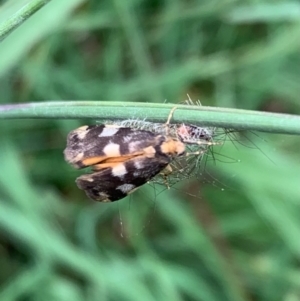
173 147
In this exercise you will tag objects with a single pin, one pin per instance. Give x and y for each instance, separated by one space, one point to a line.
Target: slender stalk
190 114
13 14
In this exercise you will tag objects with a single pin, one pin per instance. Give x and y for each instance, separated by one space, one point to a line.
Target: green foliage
232 234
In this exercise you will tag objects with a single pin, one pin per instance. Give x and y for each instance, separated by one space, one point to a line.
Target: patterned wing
89 145
114 183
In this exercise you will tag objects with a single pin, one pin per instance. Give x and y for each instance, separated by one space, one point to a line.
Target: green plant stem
199 115
15 13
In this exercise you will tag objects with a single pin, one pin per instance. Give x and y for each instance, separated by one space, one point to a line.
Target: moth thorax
192 132
172 147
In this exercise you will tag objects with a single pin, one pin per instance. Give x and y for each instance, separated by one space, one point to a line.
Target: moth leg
201 152
171 115
165 173
167 124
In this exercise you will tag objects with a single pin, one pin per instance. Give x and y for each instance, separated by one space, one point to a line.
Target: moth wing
89 145
116 182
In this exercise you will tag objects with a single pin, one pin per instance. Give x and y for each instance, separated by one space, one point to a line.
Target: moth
122 158
198 141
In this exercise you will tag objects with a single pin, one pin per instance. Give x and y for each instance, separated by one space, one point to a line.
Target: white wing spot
136 174
125 188
138 164
119 170
81 132
108 132
112 150
134 146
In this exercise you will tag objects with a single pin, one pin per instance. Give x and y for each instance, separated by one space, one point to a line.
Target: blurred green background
232 234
